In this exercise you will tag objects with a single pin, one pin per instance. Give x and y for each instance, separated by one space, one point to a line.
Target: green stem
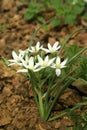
58 96
66 111
79 105
61 81
35 94
48 93
34 85
80 52
70 36
57 116
41 107
35 33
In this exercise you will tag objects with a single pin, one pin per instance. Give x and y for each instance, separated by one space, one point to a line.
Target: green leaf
71 50
56 3
77 9
69 18
41 19
3 27
83 67
85 16
6 62
32 10
28 15
55 22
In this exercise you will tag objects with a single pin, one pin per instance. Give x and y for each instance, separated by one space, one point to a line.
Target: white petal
46 59
14 55
41 47
58 48
21 53
58 60
63 63
55 45
26 58
46 50
53 65
25 64
40 60
37 46
33 49
49 46
51 61
31 62
36 65
58 72
22 70
38 69
11 64
12 60
85 0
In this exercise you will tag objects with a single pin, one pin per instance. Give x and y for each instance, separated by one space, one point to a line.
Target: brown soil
18 110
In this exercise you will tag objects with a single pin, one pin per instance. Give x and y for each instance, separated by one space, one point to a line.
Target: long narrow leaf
75 56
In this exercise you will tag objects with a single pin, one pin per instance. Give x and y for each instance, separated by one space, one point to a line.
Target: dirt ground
18 110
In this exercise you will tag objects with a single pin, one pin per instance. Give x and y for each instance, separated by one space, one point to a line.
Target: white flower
46 62
25 61
52 49
28 63
74 2
35 49
23 53
85 1
16 58
59 65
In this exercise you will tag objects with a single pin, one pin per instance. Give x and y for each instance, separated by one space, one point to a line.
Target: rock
7 91
82 39
57 125
81 86
5 72
4 117
2 43
7 4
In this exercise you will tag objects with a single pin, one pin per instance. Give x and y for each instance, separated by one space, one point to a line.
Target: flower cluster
37 57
